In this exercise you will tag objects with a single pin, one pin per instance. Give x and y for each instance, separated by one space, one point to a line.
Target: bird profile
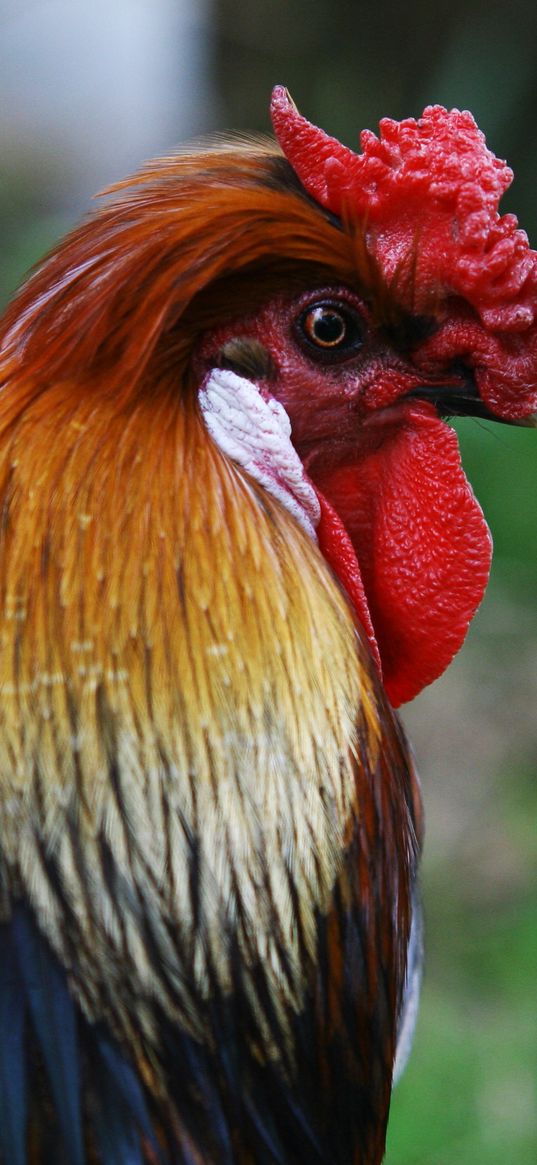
236 535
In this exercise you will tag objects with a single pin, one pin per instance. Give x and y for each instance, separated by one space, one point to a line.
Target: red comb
427 192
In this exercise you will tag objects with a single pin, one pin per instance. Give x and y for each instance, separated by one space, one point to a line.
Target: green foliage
469 1093
31 220
501 463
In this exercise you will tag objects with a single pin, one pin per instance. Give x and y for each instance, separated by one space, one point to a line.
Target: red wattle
335 544
420 538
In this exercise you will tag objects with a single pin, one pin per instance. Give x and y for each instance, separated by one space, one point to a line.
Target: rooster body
210 821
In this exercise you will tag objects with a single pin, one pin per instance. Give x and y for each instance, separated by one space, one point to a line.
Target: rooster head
438 320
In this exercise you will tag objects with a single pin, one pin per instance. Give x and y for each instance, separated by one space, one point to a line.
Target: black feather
54 1021
13 1068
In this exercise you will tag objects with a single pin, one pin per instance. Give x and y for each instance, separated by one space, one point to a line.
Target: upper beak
463 400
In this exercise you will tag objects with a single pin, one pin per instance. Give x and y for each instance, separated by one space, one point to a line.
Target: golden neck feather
174 655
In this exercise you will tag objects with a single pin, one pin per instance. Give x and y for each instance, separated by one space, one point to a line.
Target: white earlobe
256 433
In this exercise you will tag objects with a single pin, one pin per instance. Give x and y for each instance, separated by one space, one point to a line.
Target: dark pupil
326 327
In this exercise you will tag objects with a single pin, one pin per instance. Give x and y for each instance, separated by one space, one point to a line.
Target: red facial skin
400 525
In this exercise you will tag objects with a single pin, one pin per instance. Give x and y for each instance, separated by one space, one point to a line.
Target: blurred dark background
86 93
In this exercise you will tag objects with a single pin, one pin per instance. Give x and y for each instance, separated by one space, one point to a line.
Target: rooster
235 535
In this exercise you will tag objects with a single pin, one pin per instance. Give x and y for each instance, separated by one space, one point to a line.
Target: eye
329 330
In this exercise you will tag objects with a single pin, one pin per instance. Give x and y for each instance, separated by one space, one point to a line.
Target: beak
463 400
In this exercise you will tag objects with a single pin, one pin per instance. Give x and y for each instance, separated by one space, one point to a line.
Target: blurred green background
85 96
